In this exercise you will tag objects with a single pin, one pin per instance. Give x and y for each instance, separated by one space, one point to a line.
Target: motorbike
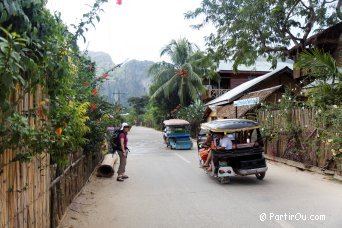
246 155
176 134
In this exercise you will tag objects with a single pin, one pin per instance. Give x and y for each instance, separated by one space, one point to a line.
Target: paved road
167 189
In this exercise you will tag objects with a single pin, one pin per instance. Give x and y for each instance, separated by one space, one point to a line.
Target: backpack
115 139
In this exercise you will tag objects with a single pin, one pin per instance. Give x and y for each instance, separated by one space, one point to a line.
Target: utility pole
117 93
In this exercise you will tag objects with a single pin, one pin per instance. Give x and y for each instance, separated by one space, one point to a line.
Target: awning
229 111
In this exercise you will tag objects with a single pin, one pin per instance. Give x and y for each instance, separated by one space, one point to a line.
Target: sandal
204 166
120 178
124 177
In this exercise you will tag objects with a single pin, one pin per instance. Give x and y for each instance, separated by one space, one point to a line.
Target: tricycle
243 154
176 134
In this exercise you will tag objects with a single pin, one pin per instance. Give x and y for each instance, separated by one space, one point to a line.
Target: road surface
167 188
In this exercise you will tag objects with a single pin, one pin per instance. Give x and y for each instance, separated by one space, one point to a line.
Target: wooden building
328 40
229 79
268 88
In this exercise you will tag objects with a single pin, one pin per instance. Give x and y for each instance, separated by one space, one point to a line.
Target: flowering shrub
38 50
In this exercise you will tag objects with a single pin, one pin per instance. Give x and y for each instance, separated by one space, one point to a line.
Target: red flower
119 2
93 107
94 92
105 75
59 131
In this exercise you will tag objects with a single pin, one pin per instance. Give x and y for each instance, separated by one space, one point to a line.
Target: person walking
122 151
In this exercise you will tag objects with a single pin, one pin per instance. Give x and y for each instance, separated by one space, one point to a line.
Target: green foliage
284 106
139 104
322 65
194 114
325 96
20 14
137 110
17 134
326 78
155 115
162 102
327 122
11 53
36 49
178 77
88 19
204 64
179 82
246 29
330 122
105 115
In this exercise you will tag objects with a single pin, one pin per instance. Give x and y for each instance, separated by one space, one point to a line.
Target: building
267 88
328 40
228 79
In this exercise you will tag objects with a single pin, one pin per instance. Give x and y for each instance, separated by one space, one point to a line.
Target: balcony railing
212 93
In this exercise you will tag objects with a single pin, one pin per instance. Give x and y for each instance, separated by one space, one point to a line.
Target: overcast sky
137 29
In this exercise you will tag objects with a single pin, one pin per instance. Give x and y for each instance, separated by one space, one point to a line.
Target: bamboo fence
24 199
65 187
37 193
315 154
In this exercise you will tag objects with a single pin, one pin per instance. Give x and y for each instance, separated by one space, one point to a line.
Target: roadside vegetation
39 54
323 100
177 86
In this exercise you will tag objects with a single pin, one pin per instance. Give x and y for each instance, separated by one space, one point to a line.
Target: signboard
249 101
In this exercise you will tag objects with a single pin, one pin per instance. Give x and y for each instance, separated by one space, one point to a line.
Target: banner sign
249 101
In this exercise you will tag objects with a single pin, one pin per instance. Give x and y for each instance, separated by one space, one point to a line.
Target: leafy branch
88 19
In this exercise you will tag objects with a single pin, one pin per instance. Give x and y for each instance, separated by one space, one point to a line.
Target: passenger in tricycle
220 142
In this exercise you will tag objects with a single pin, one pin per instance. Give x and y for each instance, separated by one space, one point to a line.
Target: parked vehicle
245 157
176 134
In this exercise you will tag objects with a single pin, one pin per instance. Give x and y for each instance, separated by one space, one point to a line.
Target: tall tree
247 29
138 104
179 76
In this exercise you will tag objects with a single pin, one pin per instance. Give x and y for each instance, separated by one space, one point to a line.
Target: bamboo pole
106 168
1 195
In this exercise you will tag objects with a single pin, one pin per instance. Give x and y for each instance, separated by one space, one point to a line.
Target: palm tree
327 77
322 65
178 77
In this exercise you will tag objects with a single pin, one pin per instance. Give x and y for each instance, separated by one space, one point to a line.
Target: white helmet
123 125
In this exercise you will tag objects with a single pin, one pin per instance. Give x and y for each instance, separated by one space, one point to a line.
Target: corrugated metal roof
234 93
260 65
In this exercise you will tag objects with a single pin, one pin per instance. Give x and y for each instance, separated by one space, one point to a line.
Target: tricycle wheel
260 176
